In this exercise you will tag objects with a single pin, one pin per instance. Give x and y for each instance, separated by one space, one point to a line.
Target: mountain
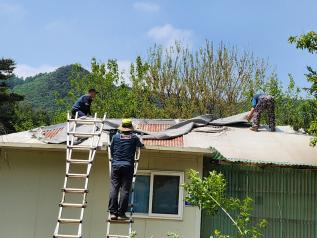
41 90
14 81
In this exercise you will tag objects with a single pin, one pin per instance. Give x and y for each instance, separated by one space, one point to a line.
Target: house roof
155 127
283 147
48 134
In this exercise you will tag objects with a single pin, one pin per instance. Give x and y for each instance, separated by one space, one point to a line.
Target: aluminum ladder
130 220
82 177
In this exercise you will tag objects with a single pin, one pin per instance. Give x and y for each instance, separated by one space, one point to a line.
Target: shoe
123 217
113 217
272 129
254 128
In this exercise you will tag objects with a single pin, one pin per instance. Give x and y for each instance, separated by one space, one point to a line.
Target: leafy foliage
114 97
313 131
169 83
42 95
14 81
312 77
7 99
290 107
174 83
308 42
6 68
209 193
206 193
178 83
26 117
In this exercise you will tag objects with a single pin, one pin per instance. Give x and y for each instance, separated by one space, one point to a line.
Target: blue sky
42 35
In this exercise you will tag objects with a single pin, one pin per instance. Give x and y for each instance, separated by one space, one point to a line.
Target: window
142 194
159 194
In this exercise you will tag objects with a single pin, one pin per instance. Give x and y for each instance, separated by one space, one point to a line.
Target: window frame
150 214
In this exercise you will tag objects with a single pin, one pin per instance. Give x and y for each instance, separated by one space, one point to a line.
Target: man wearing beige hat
123 148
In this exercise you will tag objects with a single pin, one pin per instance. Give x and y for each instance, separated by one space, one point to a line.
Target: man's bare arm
250 115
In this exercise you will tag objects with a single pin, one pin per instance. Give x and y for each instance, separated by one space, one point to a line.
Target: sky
41 35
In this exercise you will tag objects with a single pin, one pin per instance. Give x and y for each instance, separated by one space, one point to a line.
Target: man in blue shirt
82 105
123 147
260 103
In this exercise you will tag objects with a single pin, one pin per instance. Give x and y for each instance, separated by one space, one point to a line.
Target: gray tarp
177 128
239 119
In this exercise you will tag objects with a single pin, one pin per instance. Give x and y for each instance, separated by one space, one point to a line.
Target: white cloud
146 6
23 70
12 11
167 35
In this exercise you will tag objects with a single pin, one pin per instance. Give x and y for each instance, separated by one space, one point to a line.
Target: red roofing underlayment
48 134
175 142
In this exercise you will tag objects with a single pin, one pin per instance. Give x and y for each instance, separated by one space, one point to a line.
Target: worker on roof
82 105
260 103
123 148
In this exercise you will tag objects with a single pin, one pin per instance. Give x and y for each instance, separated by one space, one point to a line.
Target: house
276 169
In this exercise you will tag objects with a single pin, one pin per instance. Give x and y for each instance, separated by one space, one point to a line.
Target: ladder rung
79 161
72 175
77 205
121 221
75 190
82 147
66 220
117 236
84 121
66 236
83 134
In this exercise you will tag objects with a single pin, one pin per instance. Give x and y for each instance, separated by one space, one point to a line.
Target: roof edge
62 147
217 156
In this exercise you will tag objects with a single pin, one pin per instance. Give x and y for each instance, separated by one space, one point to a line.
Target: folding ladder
85 165
130 220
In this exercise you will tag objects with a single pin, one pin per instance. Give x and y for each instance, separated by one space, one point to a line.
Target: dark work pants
121 180
265 103
80 113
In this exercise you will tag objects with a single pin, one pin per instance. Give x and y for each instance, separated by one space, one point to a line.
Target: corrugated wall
285 197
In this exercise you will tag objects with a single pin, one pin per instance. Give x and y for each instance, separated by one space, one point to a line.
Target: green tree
308 42
144 102
7 99
180 83
114 97
14 81
26 117
173 83
209 193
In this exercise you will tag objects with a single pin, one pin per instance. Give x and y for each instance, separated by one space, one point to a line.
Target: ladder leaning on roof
130 220
94 136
